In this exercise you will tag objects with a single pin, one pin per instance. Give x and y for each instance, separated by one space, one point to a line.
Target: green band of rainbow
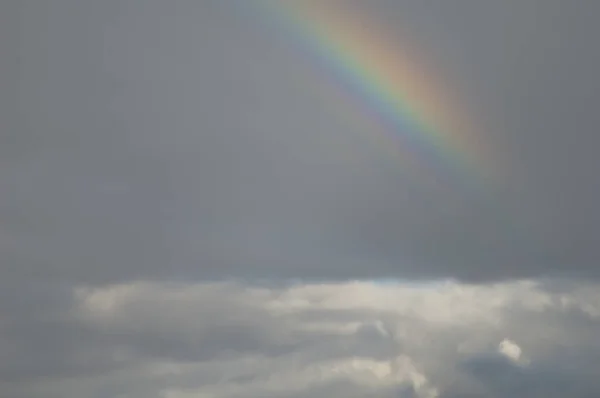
384 75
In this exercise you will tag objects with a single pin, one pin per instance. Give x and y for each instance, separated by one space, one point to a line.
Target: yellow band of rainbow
385 72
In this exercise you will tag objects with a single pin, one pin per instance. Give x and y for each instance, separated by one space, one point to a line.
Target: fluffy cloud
233 340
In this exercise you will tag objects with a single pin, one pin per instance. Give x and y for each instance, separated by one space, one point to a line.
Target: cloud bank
351 339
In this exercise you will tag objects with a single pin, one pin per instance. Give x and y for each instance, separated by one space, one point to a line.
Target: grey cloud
226 340
503 378
40 339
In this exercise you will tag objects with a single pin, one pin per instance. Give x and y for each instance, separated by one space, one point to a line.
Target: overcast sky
183 215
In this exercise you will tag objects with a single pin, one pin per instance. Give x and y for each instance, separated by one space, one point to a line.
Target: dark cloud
502 378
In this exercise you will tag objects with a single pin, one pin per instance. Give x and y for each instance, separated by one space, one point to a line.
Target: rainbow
387 80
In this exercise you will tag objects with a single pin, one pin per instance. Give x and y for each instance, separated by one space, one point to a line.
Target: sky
196 204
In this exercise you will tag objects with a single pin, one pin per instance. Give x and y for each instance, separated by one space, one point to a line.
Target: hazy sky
168 169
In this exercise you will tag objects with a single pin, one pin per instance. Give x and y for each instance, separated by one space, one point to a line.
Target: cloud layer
223 340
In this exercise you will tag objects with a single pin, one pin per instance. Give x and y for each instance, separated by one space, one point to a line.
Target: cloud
510 349
351 339
503 377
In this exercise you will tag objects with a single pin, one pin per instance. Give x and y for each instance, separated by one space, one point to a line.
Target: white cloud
510 349
231 340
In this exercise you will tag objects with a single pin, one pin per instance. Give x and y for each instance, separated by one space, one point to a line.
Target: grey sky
145 140
149 140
